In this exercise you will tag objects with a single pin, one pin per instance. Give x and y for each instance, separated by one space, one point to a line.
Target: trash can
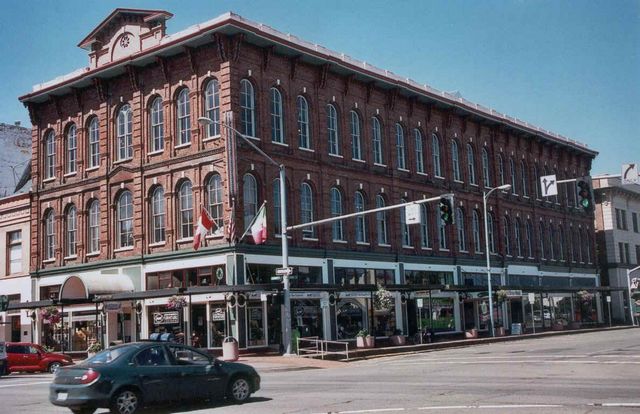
230 349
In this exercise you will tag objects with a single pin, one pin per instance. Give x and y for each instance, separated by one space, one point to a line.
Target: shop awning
89 286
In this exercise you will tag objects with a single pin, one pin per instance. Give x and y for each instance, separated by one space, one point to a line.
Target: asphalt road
584 373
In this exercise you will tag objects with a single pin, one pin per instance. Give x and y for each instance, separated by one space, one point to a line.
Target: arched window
361 221
500 170
306 210
486 175
185 213
214 203
524 177
157 216
94 227
71 220
404 227
552 242
49 155
435 153
529 235
471 164
419 150
536 184
381 221
462 240
336 210
356 144
475 228
541 236
442 231
72 149
250 198
124 217
455 161
304 135
490 233
94 143
577 236
507 235
589 245
277 130
514 183
400 148
125 133
156 125
332 130
376 138
49 235
517 237
247 109
183 120
560 244
425 240
277 220
212 108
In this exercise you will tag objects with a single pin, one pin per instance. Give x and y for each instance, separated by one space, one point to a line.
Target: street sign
549 185
284 271
324 303
629 174
532 297
420 302
412 214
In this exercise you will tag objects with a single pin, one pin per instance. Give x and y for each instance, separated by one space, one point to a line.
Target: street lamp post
486 245
286 324
629 271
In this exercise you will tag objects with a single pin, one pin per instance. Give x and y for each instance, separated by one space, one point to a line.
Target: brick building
121 167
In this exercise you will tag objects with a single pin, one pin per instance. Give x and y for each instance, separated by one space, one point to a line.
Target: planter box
366 342
397 339
471 334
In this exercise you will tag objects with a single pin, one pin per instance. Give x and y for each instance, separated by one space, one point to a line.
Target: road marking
617 404
484 407
23 384
373 410
517 361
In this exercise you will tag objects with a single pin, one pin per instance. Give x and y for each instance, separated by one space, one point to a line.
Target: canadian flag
259 226
205 223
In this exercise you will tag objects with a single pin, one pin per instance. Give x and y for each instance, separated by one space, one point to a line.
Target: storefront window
163 320
306 318
350 319
480 279
218 324
348 276
384 321
202 276
522 280
553 281
584 281
437 314
424 278
560 308
256 333
302 275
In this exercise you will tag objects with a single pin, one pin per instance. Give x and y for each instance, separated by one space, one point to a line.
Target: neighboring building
618 238
15 142
121 166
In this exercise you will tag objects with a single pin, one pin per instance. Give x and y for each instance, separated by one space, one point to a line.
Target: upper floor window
400 148
157 216
419 150
185 217
306 210
404 227
304 132
277 133
376 138
332 130
49 235
247 109
435 153
524 178
507 235
125 220
471 164
157 125
94 227
361 222
529 236
501 170
486 175
541 236
462 240
536 177
125 133
212 108
250 198
560 244
381 221
517 237
94 143
425 240
514 183
214 203
475 228
490 233
337 232
356 144
277 220
50 155
455 161
183 121
552 242
442 231
72 149
72 230
14 252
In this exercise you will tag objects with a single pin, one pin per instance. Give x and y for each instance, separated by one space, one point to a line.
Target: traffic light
4 303
446 209
585 198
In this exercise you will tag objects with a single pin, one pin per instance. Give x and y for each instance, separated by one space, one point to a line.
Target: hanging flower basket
176 302
501 295
382 299
51 314
584 296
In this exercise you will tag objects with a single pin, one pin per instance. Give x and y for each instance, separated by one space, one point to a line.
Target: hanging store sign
355 295
514 293
166 318
306 295
217 314
112 306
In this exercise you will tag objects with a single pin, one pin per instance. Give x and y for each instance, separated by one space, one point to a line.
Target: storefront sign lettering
165 318
355 295
112 306
217 314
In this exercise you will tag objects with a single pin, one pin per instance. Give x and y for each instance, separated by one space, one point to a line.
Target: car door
155 374
20 359
199 378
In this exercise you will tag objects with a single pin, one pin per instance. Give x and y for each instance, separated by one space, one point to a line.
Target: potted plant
382 299
50 314
93 349
365 340
397 338
176 302
501 295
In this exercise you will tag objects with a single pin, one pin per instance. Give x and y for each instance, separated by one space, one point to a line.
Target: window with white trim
247 109
376 138
72 149
157 216
381 221
404 227
462 239
356 144
419 150
435 154
215 203
94 227
49 155
337 232
250 199
125 220
71 220
277 128
94 143
125 134
401 158
156 125
306 210
471 164
183 121
212 108
332 130
49 235
455 161
304 132
361 221
185 214
14 252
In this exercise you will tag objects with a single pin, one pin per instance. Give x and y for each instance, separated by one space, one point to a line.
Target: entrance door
15 329
469 315
199 325
218 323
517 315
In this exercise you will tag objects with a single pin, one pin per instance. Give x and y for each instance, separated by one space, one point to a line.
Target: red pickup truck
24 356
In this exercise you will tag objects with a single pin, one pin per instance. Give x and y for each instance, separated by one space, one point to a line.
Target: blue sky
572 67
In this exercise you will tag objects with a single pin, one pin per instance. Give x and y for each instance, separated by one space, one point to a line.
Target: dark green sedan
126 377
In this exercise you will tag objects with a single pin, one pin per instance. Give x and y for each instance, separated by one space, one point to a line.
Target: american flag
231 226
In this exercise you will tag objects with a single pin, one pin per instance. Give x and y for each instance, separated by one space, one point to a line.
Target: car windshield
107 356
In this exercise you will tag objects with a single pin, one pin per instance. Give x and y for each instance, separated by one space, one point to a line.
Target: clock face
219 273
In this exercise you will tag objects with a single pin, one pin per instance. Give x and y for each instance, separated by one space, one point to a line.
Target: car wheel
239 390
83 410
53 367
125 402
